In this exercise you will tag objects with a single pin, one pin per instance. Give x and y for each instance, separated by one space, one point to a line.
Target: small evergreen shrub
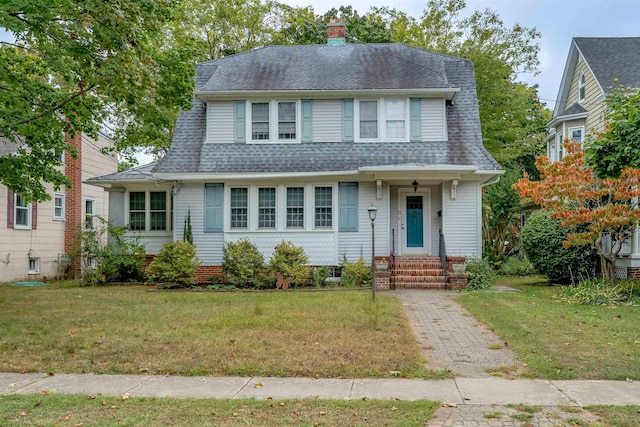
481 276
542 238
319 276
517 266
242 262
355 273
290 261
175 265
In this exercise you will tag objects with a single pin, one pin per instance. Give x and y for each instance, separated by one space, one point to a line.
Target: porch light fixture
415 184
373 211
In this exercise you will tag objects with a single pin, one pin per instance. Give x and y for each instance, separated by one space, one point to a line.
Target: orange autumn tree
590 206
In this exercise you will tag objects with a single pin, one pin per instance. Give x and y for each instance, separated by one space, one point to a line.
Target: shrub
290 261
481 275
319 276
175 265
355 273
600 292
542 238
517 266
241 261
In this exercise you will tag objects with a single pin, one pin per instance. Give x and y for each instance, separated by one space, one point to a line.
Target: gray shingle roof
323 67
138 173
574 109
612 58
380 66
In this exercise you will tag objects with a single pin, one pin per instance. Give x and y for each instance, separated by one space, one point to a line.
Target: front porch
420 272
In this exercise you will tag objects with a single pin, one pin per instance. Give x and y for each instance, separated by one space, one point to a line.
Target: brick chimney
73 224
336 32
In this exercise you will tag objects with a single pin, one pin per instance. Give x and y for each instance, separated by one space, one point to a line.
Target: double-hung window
158 210
368 119
581 87
89 213
22 212
395 118
137 211
295 207
323 207
287 120
576 134
267 207
58 206
239 207
560 145
259 121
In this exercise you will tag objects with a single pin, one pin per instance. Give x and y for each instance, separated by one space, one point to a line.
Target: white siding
220 122
358 244
461 219
327 120
436 221
434 120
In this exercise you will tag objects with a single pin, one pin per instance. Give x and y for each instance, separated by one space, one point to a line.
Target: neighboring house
297 142
37 237
594 67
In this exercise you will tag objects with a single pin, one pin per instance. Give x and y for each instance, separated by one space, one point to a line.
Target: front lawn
558 340
78 410
130 330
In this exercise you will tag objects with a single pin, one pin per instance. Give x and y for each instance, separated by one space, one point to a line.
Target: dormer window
581 86
270 121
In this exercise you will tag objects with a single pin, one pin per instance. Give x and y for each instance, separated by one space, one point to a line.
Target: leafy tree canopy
76 65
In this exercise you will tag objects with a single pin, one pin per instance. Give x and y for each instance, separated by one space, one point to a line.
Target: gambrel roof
314 70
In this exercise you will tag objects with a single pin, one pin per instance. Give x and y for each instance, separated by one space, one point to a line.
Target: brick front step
419 272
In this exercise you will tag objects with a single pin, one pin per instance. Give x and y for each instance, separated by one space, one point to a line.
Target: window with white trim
287 120
267 207
323 207
59 206
368 119
22 212
273 121
259 121
158 210
577 134
137 211
552 151
581 87
395 118
150 211
560 145
295 207
34 265
239 205
89 213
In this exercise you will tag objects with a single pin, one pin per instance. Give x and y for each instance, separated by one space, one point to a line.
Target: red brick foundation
633 272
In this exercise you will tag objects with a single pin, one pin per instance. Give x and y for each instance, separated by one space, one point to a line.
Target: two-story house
595 65
298 142
37 237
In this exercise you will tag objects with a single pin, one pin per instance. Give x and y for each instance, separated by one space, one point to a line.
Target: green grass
128 329
561 341
617 416
78 410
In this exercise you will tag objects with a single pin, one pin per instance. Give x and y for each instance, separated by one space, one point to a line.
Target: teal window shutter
416 119
213 208
347 119
240 121
348 206
307 120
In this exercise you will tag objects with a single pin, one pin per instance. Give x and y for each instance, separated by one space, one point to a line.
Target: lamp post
372 216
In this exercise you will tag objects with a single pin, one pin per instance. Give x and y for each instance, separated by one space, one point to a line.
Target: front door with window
413 216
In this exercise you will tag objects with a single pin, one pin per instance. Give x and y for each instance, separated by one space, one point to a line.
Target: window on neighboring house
34 265
59 206
295 207
158 210
22 212
395 118
581 87
287 120
259 121
323 207
368 119
576 134
552 151
239 207
560 145
266 208
89 213
137 214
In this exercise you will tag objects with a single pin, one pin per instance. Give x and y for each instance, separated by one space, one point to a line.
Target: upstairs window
259 121
287 120
577 134
22 213
581 86
59 206
395 118
89 213
368 119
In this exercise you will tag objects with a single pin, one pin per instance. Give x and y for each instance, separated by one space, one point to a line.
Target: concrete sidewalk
459 391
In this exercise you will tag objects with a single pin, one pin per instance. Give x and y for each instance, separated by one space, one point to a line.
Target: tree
618 147
591 206
500 216
76 66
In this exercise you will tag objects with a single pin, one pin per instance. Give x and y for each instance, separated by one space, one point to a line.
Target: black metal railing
442 251
393 258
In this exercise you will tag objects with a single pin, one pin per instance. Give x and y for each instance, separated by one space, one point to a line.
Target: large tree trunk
608 260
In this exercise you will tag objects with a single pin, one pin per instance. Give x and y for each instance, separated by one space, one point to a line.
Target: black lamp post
372 216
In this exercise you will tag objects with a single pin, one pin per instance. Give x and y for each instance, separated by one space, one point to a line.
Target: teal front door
414 221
